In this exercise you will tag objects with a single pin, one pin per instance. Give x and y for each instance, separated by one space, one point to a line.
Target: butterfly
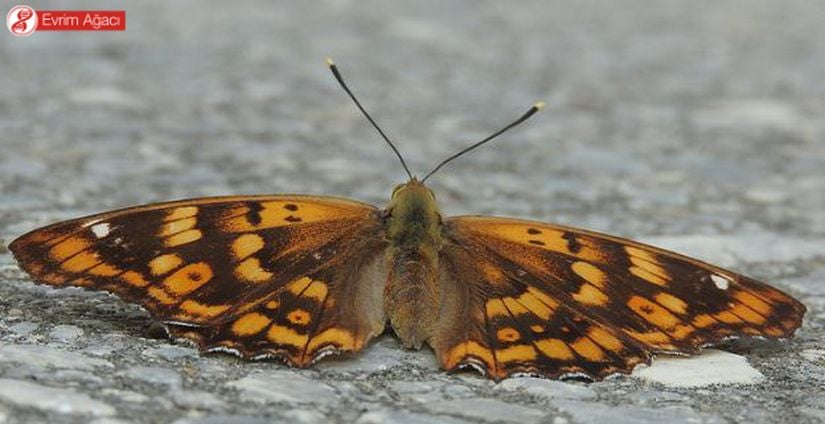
298 278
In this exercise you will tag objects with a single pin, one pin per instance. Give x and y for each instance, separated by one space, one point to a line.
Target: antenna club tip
539 105
328 60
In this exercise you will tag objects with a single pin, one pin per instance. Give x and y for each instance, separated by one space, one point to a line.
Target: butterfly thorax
413 230
413 218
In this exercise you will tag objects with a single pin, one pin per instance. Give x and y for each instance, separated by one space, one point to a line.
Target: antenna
536 107
340 79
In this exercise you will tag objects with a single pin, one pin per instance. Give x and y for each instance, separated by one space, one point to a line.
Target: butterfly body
412 293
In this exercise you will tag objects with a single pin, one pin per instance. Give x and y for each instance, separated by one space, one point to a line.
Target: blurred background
697 125
649 107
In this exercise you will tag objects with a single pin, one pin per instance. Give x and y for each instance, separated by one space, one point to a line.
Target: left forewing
195 261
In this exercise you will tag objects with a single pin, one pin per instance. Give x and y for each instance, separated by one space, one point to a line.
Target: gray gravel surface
694 125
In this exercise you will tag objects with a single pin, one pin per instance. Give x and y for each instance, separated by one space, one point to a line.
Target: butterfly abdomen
411 295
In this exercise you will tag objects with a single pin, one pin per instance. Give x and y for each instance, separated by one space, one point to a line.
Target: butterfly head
413 187
412 195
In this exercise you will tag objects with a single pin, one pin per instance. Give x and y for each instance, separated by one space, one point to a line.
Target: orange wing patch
544 238
280 213
250 324
195 308
250 270
164 263
188 279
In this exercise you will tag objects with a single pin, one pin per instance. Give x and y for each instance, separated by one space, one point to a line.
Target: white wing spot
720 281
317 256
101 230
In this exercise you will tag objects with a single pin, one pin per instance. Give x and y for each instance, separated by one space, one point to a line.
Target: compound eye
396 188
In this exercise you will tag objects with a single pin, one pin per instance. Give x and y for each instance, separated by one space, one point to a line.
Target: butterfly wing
278 275
553 300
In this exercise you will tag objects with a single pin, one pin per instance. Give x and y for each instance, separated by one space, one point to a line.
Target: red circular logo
21 20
